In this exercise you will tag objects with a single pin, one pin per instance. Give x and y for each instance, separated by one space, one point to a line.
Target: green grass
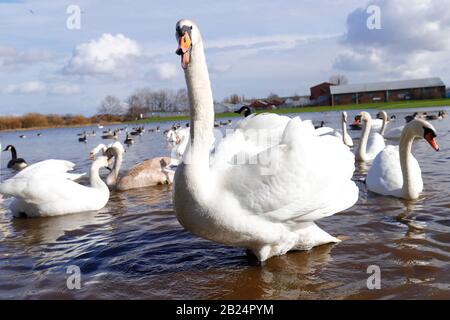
376 106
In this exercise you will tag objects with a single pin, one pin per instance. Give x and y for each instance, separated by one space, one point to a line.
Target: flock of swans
260 194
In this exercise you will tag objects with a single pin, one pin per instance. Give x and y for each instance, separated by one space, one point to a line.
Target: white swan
394 133
341 134
379 124
395 172
370 144
269 203
46 189
150 172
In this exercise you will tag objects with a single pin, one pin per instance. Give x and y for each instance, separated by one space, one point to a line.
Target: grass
376 106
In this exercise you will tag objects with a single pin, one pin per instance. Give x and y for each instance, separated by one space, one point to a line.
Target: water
135 247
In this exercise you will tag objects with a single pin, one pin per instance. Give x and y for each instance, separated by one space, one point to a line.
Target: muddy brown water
135 248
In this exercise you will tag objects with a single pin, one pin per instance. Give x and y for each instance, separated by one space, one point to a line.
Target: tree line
145 101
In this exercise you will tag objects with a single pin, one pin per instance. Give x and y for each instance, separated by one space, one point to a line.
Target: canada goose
22 136
244 109
128 139
110 135
320 125
15 163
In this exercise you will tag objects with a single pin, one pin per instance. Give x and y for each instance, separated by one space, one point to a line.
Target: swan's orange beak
432 141
184 49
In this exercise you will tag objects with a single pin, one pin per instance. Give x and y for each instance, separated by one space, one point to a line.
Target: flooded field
135 248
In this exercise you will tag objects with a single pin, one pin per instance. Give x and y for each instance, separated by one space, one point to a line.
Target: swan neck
95 180
201 106
405 148
344 129
362 149
383 126
112 177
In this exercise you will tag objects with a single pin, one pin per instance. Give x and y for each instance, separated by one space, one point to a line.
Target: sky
253 47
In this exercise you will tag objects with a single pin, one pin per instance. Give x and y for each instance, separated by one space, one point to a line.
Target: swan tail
310 236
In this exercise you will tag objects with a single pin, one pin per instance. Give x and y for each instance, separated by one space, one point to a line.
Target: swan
147 173
370 144
394 133
379 124
395 172
15 163
257 204
47 189
340 134
348 141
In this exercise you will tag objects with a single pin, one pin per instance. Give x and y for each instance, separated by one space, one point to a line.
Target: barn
388 91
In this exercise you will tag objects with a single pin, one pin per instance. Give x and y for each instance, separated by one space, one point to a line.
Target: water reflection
135 247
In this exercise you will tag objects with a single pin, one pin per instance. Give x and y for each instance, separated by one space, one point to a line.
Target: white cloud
10 57
30 87
64 89
413 40
166 71
111 55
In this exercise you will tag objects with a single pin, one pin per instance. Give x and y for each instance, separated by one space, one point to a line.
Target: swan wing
303 178
47 168
56 194
252 135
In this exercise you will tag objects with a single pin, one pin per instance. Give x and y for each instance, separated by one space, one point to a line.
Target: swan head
101 162
187 35
365 116
97 149
382 115
422 129
344 116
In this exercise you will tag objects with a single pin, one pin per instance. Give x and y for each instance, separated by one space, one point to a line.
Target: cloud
166 71
64 89
412 42
10 57
108 55
30 87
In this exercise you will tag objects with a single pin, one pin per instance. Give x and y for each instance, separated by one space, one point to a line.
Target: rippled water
135 247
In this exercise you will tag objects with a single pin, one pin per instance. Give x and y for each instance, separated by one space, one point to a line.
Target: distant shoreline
371 106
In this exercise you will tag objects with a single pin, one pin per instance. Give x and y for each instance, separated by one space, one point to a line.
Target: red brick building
431 88
321 94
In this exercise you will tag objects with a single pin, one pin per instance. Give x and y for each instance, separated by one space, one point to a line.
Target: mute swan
259 204
370 144
379 124
150 172
394 133
15 163
395 172
46 189
340 134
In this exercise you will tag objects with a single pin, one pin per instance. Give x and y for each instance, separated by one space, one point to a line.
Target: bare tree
234 99
111 105
272 96
338 79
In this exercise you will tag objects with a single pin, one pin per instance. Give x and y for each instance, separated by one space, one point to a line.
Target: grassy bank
376 106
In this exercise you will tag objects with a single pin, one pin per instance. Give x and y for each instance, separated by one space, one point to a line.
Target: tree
111 105
272 96
234 99
338 79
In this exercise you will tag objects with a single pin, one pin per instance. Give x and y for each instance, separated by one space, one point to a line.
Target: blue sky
253 47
